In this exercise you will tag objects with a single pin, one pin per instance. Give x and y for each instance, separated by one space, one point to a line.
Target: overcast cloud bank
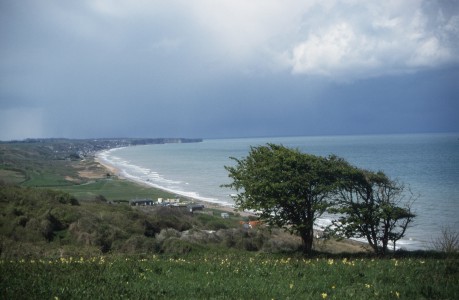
227 68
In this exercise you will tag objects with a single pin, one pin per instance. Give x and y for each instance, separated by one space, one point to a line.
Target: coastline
116 171
112 170
332 245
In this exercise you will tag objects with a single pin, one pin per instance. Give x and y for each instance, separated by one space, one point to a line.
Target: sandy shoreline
110 168
113 170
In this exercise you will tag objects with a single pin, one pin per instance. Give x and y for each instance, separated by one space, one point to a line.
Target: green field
114 189
230 275
39 165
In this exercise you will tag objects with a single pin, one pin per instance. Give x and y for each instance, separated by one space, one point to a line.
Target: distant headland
63 148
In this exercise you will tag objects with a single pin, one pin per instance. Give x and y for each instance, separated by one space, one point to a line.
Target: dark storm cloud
227 68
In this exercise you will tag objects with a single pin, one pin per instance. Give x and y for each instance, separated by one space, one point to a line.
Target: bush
177 246
138 244
100 198
216 225
448 241
22 221
150 229
200 236
64 216
167 233
241 239
168 217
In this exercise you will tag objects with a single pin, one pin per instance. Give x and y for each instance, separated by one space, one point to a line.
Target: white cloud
347 39
338 39
245 34
429 53
376 39
337 50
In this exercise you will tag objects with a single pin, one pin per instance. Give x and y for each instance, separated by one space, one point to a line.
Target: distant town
75 149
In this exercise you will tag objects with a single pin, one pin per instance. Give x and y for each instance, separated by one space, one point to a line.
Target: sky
228 68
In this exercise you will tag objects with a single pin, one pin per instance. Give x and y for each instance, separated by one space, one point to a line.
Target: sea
427 164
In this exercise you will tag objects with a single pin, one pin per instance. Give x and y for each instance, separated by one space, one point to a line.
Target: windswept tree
285 188
371 206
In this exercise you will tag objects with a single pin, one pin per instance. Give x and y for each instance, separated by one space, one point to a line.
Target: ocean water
428 164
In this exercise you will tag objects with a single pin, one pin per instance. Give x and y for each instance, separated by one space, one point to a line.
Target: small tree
285 187
371 206
448 241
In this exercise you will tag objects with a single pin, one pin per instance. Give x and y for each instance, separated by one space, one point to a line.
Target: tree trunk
307 237
373 244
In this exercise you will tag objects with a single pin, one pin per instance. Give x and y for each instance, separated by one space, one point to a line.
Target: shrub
100 198
200 236
22 221
216 225
228 237
150 229
177 246
63 216
168 217
448 241
46 229
167 233
139 244
241 239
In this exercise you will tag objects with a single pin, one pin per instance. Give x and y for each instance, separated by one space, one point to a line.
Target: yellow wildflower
291 285
324 295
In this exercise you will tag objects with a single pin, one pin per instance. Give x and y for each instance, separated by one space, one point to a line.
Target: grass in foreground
231 275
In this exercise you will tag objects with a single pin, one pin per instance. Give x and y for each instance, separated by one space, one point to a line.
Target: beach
100 158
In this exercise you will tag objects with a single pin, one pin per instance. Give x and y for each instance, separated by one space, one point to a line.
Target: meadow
229 275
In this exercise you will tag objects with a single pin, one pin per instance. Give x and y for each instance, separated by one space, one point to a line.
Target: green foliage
40 222
228 275
372 206
287 188
171 217
290 189
33 221
247 240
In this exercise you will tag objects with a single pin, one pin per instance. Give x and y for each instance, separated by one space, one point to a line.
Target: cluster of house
150 202
166 202
191 207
